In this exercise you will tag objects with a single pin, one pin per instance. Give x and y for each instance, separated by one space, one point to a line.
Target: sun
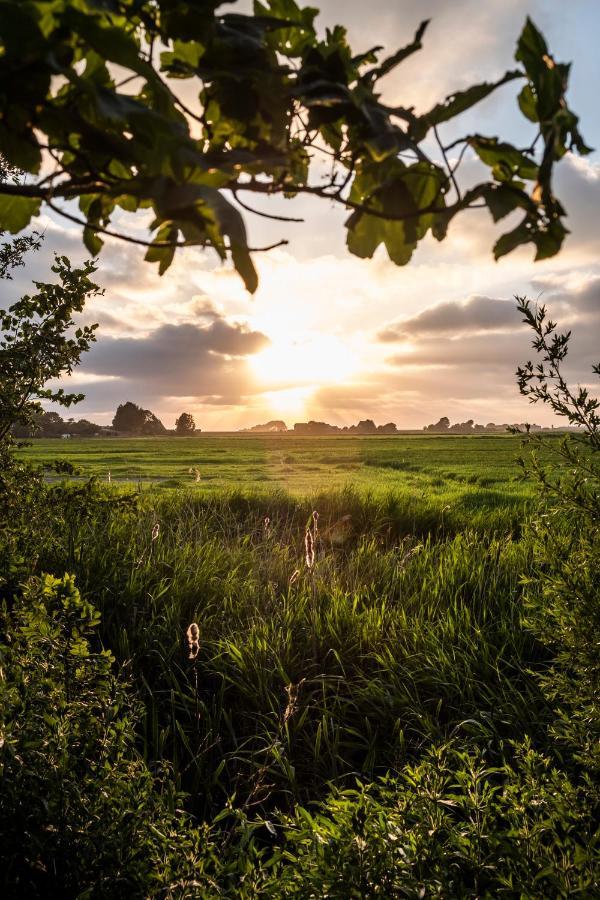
313 360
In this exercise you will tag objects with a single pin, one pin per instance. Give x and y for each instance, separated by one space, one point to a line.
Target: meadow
362 671
467 476
405 626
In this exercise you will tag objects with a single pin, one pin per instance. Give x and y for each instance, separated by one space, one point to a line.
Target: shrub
81 813
451 826
563 592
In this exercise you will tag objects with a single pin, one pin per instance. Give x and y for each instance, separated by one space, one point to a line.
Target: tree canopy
131 418
39 342
185 424
187 110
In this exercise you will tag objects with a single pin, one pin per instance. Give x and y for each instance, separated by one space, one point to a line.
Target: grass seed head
309 549
292 691
193 640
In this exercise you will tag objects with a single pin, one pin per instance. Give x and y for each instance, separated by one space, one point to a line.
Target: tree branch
257 212
158 244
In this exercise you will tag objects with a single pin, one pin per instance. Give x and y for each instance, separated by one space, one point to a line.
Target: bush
81 813
563 592
452 826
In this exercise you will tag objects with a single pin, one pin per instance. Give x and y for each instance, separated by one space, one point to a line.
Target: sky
328 336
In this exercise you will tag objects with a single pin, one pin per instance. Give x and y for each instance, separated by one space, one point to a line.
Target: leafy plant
81 814
185 424
12 252
564 589
454 825
36 344
85 85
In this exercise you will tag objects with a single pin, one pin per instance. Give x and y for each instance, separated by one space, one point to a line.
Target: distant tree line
51 424
443 426
366 426
129 419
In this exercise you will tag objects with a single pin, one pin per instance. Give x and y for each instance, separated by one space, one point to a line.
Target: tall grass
406 629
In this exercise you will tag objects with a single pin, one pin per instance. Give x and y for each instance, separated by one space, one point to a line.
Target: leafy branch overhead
184 109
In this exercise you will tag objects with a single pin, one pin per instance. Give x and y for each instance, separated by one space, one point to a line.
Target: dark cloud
497 320
465 354
576 304
173 353
478 313
205 364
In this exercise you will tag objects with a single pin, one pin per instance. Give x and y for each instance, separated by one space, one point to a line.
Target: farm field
346 664
467 473
401 639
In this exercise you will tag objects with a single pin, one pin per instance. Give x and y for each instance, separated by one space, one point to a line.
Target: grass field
466 474
403 639
453 481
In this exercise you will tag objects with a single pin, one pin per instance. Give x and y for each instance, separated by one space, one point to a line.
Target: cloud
458 358
477 313
181 360
196 364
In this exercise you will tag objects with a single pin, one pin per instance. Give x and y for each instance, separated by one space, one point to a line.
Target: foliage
396 639
131 418
51 424
418 642
564 589
36 345
185 425
86 80
12 252
81 814
457 824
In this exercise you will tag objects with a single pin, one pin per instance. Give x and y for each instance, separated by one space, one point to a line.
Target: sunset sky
332 337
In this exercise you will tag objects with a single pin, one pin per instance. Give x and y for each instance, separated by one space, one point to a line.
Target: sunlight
314 360
289 403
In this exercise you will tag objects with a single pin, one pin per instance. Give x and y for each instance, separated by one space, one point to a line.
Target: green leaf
506 161
92 241
527 103
183 59
163 255
20 148
502 199
395 190
549 241
547 238
295 32
457 103
531 49
396 58
16 212
202 212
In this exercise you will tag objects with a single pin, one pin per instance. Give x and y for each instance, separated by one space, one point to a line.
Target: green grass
469 475
407 636
407 631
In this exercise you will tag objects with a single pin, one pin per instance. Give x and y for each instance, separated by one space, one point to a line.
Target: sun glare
316 360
